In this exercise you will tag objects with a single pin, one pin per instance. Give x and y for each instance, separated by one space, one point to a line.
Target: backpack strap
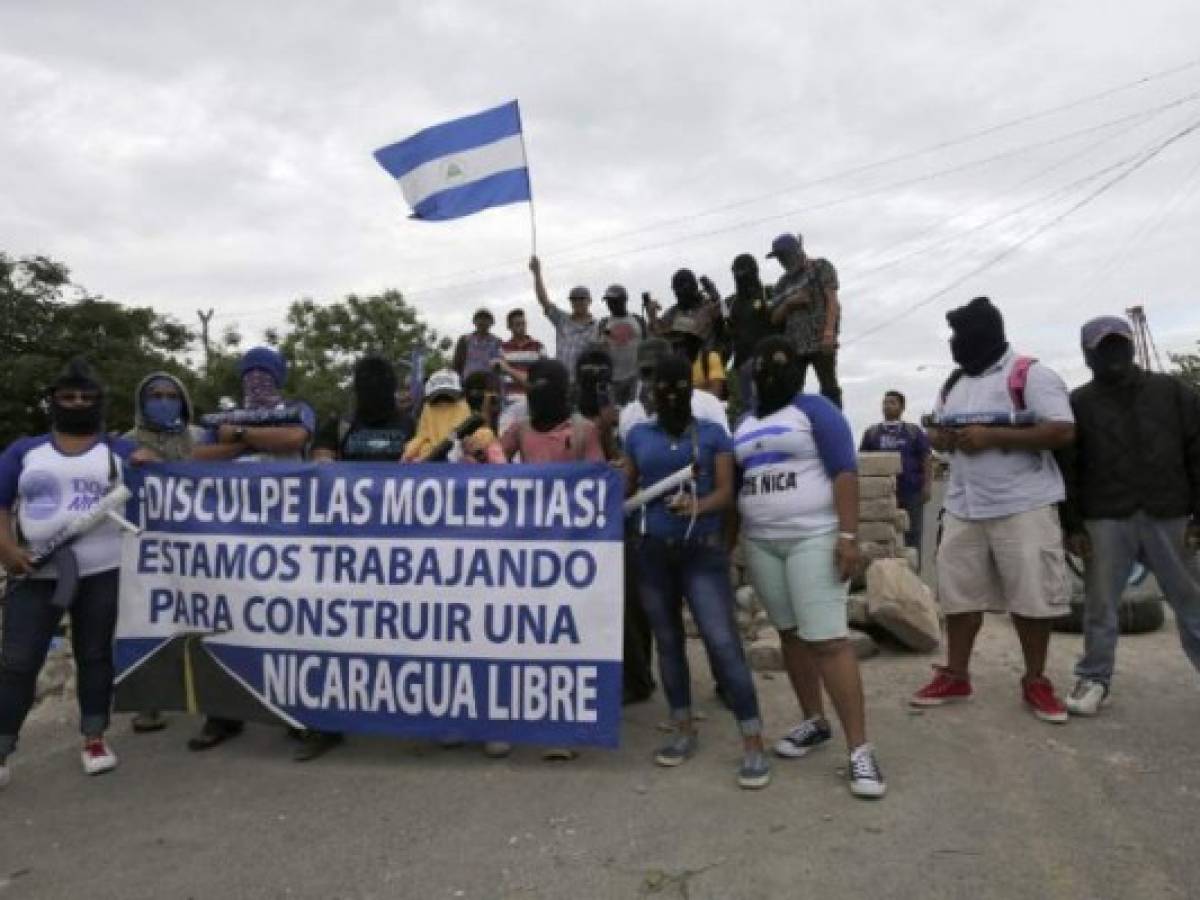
948 385
1018 377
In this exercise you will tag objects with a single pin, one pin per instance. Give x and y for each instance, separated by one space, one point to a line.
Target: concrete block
856 610
876 531
902 605
901 520
882 463
871 487
764 655
877 509
878 549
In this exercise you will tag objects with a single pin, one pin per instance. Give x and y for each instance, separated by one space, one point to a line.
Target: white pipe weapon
106 508
672 482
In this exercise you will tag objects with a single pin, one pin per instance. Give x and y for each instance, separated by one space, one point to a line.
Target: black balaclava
1111 361
77 420
978 341
686 288
617 301
673 394
593 375
745 276
548 394
478 387
374 390
778 376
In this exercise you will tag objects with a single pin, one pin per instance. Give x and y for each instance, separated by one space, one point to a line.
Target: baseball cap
443 382
784 243
579 292
616 292
1093 332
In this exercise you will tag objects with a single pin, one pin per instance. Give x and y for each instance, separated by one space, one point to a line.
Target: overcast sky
219 155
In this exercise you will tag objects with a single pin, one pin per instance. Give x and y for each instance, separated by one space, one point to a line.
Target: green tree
322 343
1187 367
45 319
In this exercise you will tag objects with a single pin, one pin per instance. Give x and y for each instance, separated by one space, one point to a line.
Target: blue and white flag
461 167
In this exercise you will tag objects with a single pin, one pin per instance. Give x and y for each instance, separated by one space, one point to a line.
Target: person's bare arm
285 439
218 452
943 440
833 312
721 497
847 555
15 558
539 286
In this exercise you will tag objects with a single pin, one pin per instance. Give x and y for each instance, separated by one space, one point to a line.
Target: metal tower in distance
1143 341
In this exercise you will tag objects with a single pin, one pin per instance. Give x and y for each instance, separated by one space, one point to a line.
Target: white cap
443 382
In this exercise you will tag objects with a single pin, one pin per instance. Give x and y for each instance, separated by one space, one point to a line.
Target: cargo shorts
1015 564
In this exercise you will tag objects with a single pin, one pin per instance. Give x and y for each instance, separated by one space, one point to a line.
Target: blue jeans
914 537
29 624
697 569
1116 544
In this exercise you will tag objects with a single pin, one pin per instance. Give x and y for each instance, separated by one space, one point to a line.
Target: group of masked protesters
1110 471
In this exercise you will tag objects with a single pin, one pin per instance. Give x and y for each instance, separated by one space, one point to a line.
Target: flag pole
529 179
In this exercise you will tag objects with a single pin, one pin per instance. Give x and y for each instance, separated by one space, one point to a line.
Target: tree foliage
1187 367
45 320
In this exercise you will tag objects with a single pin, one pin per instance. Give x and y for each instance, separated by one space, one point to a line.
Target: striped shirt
788 461
520 353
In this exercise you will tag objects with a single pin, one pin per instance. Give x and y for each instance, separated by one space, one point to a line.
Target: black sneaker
803 739
866 780
314 744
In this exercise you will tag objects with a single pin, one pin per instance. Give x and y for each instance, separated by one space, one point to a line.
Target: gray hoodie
171 446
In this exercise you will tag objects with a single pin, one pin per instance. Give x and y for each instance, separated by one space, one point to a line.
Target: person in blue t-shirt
916 474
47 482
680 552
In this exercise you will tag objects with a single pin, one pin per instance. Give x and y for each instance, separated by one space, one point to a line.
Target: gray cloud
219 155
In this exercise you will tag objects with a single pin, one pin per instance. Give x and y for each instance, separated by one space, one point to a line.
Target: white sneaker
5 774
1086 698
866 779
97 757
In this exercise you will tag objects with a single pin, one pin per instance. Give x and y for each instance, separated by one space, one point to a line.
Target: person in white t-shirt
799 509
705 406
47 482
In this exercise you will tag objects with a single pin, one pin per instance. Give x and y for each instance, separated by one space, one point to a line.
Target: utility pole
205 318
1143 341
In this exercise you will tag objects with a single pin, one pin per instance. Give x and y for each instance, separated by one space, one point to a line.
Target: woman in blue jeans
680 553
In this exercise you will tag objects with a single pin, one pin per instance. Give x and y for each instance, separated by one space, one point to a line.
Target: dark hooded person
692 302
553 432
1133 494
1001 548
52 480
799 515
595 396
162 425
749 312
680 552
378 429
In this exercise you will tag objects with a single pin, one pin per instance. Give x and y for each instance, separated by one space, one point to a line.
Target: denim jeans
824 363
914 537
697 569
1116 545
29 624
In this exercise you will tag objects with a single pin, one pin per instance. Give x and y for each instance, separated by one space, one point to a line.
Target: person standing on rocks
571 332
916 474
808 309
1002 543
681 553
1133 494
799 512
51 480
749 322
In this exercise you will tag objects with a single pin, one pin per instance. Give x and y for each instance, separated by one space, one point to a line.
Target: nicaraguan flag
460 167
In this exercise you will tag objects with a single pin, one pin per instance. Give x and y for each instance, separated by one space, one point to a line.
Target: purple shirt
911 442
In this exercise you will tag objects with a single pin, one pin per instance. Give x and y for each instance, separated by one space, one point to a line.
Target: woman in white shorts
799 511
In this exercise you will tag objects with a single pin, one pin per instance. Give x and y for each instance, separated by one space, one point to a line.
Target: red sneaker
946 686
1039 695
97 756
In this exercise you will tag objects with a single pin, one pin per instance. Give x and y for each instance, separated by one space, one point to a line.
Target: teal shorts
798 582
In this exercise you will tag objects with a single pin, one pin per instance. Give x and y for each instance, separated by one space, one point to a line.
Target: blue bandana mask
163 413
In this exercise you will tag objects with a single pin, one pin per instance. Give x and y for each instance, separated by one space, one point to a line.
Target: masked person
681 553
749 321
287 439
596 396
799 512
162 418
1133 494
690 301
808 309
622 332
443 414
53 479
641 409
1001 548
914 484
378 428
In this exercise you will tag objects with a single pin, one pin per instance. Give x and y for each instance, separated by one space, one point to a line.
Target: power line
1041 229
